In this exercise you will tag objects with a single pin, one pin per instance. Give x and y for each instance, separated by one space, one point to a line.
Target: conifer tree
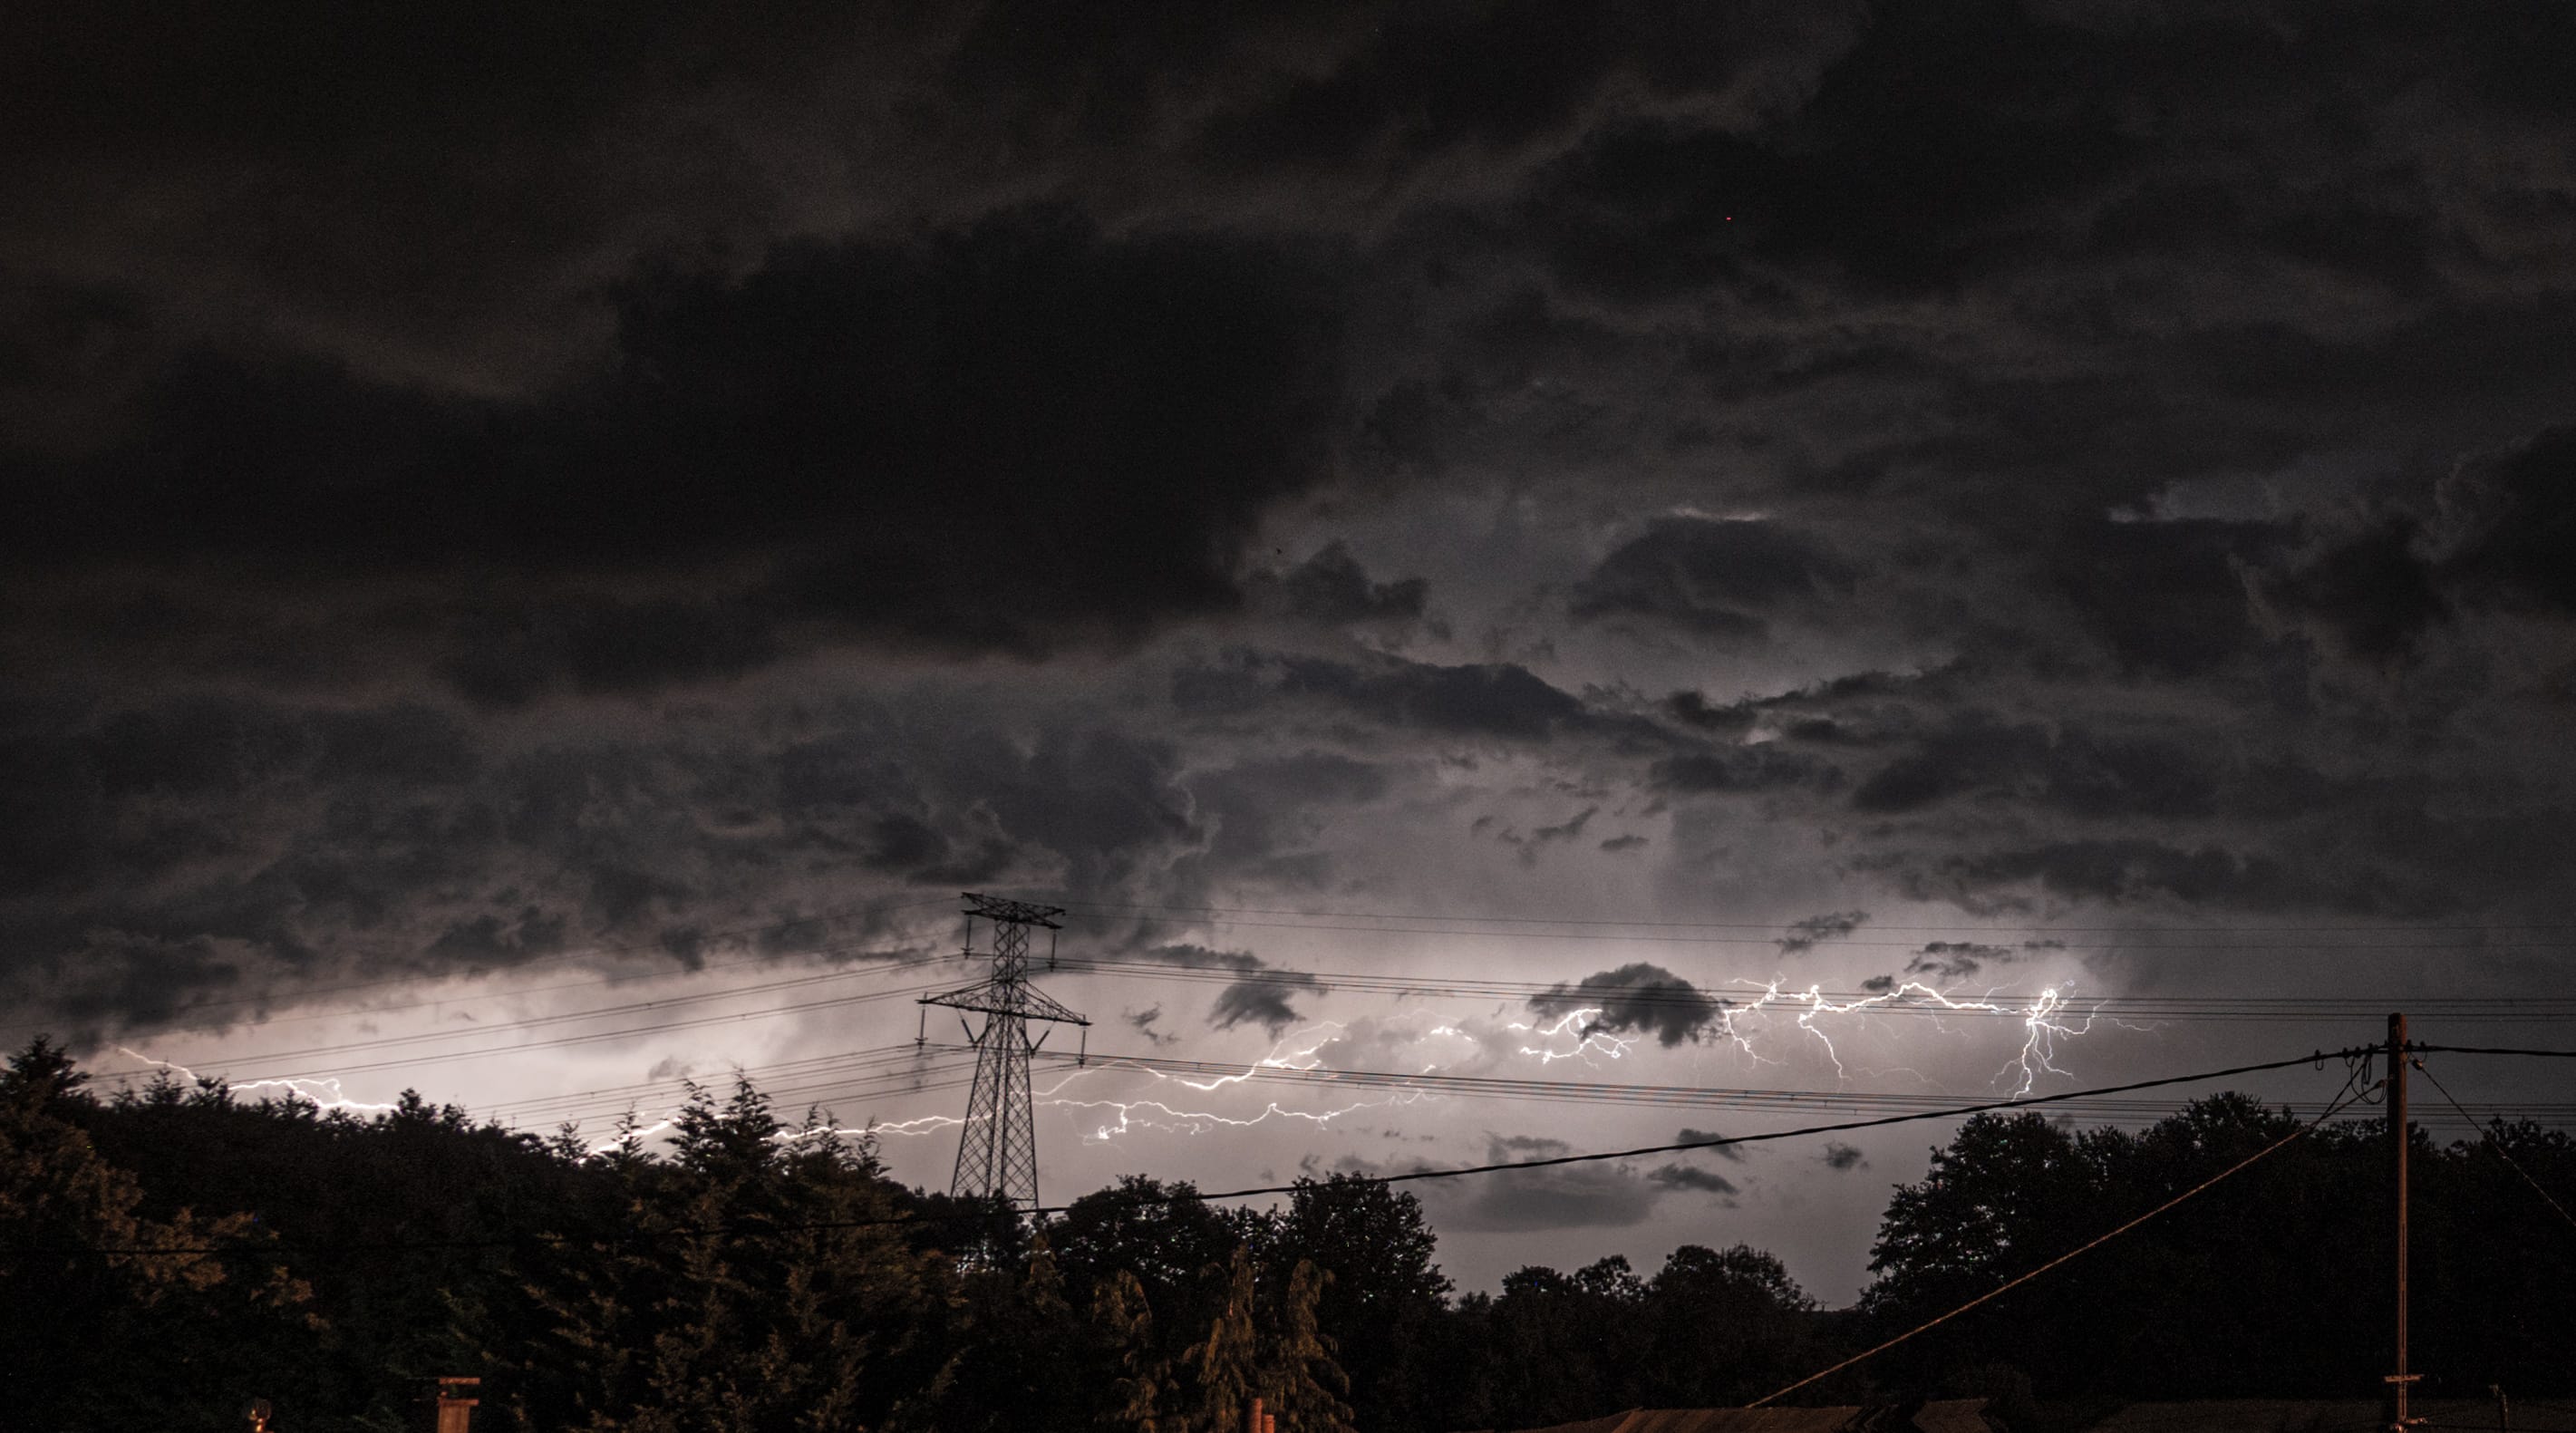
1301 1381
1225 1367
1144 1380
718 1303
91 1291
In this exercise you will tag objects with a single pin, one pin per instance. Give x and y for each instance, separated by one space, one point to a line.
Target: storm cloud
1264 999
1806 932
807 446
1701 1181
1451 496
1714 578
1638 996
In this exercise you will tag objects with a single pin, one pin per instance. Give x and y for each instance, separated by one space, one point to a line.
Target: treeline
169 1254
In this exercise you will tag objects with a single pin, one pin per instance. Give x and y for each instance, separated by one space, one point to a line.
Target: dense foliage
169 1254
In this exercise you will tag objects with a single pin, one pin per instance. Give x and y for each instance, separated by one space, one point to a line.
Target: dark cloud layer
840 442
2495 536
230 850
475 485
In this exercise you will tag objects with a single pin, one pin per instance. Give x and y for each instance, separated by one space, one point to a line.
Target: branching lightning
1445 1044
1295 1051
323 1093
1590 1039
923 1125
1166 1119
2041 1016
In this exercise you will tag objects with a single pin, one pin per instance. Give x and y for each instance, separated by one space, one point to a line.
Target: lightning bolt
785 1136
1294 1051
324 1093
2042 1018
1589 1038
923 1125
644 1132
1178 1121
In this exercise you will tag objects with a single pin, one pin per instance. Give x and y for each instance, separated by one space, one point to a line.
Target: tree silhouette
749 1273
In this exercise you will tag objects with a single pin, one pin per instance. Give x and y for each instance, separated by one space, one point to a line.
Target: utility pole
997 1150
2401 1381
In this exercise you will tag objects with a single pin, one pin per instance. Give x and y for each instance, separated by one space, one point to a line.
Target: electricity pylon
997 1150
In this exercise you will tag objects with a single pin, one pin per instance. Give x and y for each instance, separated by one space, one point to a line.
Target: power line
436 1057
522 993
913 1079
870 1055
1493 930
832 1092
273 1057
1508 1086
2502 1153
1746 996
560 957
1791 927
2343 1099
1955 1112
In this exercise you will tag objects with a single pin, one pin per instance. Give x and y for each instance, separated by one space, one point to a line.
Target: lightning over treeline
778 1259
1426 1028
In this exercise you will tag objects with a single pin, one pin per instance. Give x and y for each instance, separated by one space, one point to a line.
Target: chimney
1260 1421
448 1406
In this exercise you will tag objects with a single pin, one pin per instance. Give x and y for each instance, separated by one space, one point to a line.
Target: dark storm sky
483 485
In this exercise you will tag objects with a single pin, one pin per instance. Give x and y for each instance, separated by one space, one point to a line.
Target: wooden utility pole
2400 1381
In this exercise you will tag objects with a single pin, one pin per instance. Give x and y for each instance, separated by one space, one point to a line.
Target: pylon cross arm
992 998
995 908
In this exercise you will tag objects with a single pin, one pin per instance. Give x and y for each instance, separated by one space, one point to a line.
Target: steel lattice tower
997 1150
